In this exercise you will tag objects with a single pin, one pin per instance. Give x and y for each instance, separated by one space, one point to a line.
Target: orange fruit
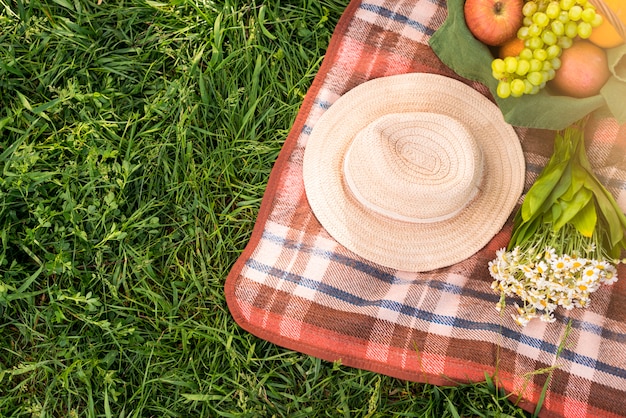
584 70
511 48
605 35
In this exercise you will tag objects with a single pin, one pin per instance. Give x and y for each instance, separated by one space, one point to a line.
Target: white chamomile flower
521 320
600 264
559 264
549 254
548 279
501 254
542 267
548 317
577 264
610 276
494 270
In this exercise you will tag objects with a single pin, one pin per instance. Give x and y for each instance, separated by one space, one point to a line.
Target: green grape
522 32
584 29
534 43
575 13
541 19
563 17
540 54
529 8
553 9
597 21
523 66
535 65
546 66
517 87
510 64
499 75
504 89
565 42
548 37
528 87
526 54
498 65
535 77
534 30
556 63
558 28
567 4
571 29
551 74
553 51
588 14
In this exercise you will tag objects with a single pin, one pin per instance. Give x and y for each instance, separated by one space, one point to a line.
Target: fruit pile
539 43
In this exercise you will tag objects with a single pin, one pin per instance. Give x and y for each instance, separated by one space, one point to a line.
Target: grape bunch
549 27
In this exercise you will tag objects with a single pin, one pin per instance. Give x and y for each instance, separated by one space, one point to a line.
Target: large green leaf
555 213
577 181
586 219
611 213
572 207
523 232
543 191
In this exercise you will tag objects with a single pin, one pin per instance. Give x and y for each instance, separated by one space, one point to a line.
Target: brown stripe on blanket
345 323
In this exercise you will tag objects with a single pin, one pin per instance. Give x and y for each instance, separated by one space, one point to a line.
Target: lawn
136 140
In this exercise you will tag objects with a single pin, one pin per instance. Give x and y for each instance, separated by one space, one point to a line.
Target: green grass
136 140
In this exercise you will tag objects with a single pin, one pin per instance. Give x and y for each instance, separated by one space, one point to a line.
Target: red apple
493 21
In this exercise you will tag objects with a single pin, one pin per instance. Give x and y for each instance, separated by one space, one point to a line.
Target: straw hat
413 171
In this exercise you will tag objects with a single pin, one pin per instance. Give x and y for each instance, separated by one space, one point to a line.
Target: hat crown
416 167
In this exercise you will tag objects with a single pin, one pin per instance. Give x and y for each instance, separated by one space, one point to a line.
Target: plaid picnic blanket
298 288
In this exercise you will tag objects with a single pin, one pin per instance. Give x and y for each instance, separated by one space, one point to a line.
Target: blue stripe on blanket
388 278
390 14
324 104
435 318
369 269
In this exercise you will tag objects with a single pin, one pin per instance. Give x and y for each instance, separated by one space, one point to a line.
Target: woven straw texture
296 287
402 159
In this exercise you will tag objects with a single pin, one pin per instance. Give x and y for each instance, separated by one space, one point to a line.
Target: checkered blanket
298 288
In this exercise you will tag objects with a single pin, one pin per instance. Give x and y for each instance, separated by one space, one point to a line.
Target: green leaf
200 397
586 219
555 213
553 181
572 207
578 176
24 101
65 4
543 188
611 212
523 232
617 248
561 188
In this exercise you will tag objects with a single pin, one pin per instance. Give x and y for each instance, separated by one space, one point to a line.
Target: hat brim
394 243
